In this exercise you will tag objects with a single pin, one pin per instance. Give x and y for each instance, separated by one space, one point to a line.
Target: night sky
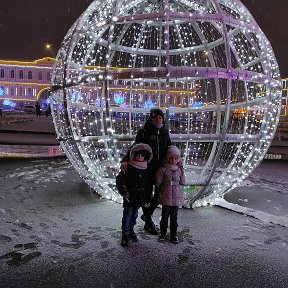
27 25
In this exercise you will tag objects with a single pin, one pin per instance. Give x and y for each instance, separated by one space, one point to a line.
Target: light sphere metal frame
207 64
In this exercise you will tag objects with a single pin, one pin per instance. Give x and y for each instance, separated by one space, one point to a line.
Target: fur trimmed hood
139 147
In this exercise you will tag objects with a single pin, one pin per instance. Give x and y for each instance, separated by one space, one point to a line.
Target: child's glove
126 197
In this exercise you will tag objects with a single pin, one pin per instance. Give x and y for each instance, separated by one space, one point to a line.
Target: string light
207 64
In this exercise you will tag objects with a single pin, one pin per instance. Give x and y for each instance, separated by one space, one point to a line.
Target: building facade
23 82
284 110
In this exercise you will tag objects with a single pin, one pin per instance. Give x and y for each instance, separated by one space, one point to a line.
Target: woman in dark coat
157 137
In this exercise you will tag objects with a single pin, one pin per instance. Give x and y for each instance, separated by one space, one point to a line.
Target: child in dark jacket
132 184
170 180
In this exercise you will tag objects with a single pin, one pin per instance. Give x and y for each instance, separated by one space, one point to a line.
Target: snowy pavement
55 232
263 195
27 129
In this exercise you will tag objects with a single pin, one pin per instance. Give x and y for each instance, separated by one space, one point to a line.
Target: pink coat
170 182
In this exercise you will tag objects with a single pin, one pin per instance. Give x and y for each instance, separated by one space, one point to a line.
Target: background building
23 82
284 111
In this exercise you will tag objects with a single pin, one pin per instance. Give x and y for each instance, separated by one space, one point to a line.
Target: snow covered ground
55 232
263 195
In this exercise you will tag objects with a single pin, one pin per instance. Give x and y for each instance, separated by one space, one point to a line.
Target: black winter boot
163 231
150 228
174 238
124 240
161 237
133 236
173 231
149 225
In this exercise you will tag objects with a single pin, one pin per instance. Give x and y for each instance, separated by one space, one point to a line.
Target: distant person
38 109
155 134
48 111
132 185
170 180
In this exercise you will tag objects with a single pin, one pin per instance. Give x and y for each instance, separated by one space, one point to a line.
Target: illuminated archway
43 97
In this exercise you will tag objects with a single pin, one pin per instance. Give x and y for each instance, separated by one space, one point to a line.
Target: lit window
30 92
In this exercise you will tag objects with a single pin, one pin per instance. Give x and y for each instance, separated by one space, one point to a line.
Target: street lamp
48 47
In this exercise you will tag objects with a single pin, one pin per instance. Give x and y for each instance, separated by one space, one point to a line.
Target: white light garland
207 64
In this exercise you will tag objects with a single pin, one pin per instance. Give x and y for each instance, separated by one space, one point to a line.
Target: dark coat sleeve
121 183
168 139
165 141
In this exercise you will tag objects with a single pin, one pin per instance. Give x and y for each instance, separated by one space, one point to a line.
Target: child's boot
173 232
163 231
174 238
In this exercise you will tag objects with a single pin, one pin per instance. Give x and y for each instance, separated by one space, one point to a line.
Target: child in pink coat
170 180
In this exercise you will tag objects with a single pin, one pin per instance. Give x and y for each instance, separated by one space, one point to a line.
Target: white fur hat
172 150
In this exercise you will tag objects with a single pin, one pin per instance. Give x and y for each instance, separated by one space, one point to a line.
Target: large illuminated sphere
207 64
